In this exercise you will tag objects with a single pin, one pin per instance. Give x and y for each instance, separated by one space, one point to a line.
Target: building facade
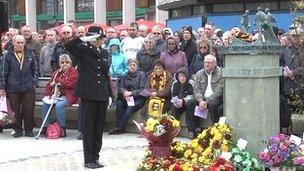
224 13
50 13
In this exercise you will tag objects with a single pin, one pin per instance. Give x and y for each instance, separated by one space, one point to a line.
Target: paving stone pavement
114 159
119 153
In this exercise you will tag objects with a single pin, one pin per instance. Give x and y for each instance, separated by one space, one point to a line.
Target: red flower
177 168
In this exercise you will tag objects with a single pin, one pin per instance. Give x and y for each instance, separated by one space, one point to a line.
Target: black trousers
215 107
94 121
192 121
285 112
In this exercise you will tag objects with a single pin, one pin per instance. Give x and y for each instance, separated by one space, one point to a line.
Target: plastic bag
7 115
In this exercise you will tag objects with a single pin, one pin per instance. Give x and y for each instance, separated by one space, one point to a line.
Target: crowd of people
134 67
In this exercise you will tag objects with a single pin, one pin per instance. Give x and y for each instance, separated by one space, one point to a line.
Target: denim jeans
124 112
60 108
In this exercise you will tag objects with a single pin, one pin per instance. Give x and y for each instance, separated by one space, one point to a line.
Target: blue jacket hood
116 42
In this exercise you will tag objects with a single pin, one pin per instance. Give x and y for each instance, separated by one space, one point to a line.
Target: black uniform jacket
93 80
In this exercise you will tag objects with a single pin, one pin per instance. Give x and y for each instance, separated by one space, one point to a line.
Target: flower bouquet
184 165
221 164
299 161
156 163
244 161
208 143
160 132
280 152
167 164
178 149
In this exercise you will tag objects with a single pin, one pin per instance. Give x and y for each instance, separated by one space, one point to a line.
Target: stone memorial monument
251 93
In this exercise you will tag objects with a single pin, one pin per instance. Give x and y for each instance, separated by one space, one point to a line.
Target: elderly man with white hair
142 31
159 40
17 82
208 88
66 34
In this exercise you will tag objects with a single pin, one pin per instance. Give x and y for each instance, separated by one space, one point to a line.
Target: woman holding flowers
159 85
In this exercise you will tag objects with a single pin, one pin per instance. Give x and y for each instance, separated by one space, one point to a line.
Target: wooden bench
72 114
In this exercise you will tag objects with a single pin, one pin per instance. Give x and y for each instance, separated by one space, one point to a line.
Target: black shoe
43 131
113 131
99 164
91 165
80 136
29 134
1 129
119 132
17 134
63 135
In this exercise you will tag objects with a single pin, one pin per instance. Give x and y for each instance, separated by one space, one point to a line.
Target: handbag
7 115
54 131
155 106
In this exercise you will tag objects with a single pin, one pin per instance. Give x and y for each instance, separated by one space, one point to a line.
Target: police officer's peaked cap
95 30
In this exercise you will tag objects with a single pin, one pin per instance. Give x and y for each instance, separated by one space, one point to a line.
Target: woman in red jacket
65 79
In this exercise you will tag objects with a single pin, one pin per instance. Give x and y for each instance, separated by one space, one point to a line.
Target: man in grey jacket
208 88
46 54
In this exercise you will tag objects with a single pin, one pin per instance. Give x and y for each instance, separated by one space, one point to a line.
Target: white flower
159 130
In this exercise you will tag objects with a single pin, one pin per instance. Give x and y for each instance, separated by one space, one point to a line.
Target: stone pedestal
251 93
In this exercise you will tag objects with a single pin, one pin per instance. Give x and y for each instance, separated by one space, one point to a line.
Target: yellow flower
208 151
171 167
208 161
187 167
199 149
151 123
222 126
202 134
194 160
224 147
214 131
194 155
187 153
175 123
225 142
202 159
217 136
194 143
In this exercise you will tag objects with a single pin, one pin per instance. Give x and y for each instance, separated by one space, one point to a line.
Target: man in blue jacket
17 82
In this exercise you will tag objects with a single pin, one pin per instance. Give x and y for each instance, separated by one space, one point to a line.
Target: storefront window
181 12
59 6
199 9
253 6
233 7
85 5
285 5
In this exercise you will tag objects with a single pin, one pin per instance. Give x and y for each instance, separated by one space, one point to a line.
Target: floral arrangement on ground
281 151
206 151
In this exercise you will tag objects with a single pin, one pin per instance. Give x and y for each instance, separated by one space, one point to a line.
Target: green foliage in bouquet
244 161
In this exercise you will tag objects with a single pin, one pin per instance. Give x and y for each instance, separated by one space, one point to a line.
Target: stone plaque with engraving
251 93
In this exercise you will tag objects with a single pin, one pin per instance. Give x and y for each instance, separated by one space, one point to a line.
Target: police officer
93 88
